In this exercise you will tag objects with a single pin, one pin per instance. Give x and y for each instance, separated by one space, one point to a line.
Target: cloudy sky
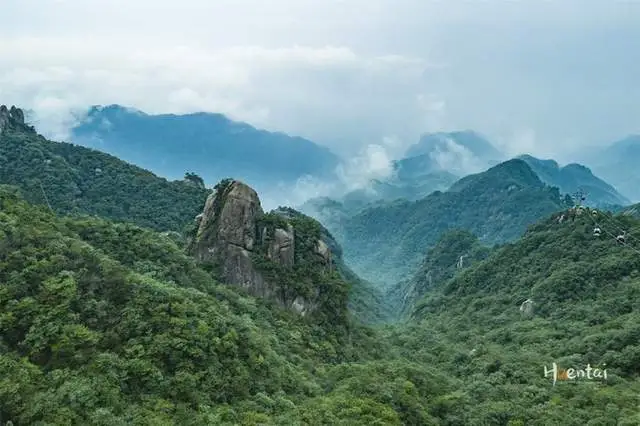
540 76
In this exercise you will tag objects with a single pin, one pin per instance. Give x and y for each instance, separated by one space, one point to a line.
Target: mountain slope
75 179
434 163
584 292
574 177
119 320
455 251
384 243
366 302
209 144
108 323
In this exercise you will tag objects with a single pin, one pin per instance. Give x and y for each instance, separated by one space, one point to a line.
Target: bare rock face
322 250
227 234
12 118
232 234
281 248
229 217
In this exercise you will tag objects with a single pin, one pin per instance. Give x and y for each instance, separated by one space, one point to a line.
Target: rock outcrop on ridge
281 255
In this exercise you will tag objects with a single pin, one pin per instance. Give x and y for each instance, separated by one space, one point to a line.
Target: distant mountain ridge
385 242
209 144
618 165
574 177
75 179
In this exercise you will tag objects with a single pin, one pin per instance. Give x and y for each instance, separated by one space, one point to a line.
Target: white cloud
343 73
255 84
456 158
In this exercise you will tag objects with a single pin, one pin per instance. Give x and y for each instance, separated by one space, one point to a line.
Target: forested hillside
584 292
110 323
74 179
106 323
453 252
385 243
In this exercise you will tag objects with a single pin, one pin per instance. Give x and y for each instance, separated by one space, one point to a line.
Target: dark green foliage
366 303
105 323
271 221
312 277
195 179
74 179
112 324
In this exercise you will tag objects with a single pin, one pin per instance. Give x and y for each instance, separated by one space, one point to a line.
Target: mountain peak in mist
459 152
475 143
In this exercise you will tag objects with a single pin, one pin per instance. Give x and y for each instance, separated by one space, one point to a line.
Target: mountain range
574 178
126 298
215 147
210 145
386 241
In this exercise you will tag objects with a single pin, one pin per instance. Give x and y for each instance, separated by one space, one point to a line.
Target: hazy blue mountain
210 145
618 165
574 177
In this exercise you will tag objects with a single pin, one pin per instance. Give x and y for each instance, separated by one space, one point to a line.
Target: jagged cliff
281 255
12 118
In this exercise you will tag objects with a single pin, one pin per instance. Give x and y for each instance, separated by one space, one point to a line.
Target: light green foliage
585 312
107 323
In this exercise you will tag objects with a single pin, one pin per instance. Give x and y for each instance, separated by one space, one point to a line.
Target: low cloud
456 158
375 161
342 73
309 91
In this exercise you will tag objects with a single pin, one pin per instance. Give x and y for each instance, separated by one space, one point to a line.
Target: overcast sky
538 76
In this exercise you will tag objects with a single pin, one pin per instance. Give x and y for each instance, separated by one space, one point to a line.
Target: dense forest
109 321
74 179
454 251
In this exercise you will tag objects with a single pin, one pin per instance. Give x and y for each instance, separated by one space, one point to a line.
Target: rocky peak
271 255
12 118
